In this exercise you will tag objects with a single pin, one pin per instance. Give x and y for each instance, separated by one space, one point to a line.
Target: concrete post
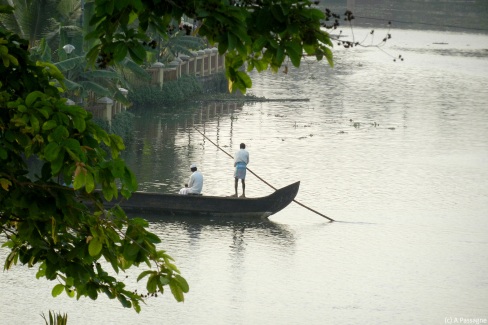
193 61
208 57
201 60
107 105
176 64
215 54
185 63
158 77
124 92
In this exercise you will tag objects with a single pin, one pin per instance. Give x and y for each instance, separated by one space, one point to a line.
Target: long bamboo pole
301 204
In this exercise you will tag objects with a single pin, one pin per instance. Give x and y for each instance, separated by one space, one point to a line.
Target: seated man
195 184
184 190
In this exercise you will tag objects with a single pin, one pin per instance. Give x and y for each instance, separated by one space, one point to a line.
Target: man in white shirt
195 183
241 159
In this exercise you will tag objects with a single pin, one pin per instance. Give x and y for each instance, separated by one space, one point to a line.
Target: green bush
122 125
177 91
56 318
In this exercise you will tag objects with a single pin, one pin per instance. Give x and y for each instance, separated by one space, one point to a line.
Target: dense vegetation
55 220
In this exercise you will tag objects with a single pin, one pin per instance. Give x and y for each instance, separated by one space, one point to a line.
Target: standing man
241 159
195 183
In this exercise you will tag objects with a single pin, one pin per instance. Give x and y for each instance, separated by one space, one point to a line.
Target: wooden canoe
201 205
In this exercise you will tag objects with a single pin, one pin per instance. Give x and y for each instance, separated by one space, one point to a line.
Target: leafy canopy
48 224
261 33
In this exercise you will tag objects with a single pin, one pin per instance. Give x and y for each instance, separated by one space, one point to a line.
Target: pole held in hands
301 204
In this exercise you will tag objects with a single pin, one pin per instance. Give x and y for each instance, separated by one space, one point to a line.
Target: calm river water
396 152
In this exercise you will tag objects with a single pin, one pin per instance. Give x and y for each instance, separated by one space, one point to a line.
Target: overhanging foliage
259 33
45 218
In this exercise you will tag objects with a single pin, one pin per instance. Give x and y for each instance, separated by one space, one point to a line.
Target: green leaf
261 65
137 52
48 125
61 118
42 270
3 153
123 300
152 283
95 246
57 163
107 291
89 182
70 292
121 4
92 55
108 193
79 123
52 151
57 290
73 145
32 97
182 283
34 123
117 141
80 181
324 37
329 56
120 51
70 281
313 13
176 291
13 59
277 12
131 251
231 41
279 57
144 274
12 259
223 45
153 238
60 133
241 48
163 280
118 168
51 70
245 79
294 50
139 222
130 180
73 110
262 21
310 49
259 43
92 292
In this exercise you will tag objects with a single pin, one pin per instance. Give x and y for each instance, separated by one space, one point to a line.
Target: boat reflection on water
195 228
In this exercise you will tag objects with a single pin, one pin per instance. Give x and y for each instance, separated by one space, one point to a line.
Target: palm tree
83 83
178 41
52 24
67 27
31 19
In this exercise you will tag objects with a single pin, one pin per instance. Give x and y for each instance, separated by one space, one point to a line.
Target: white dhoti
185 191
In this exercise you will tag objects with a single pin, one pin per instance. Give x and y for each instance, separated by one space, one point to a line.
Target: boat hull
201 205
